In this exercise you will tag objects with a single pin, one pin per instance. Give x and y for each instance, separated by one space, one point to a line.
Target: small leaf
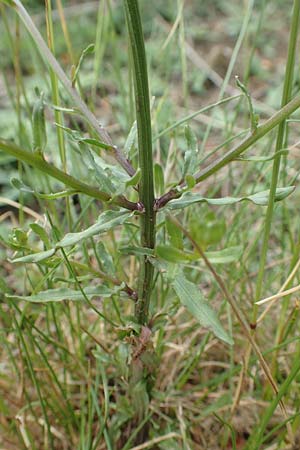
206 229
135 179
263 158
18 184
40 231
191 297
171 254
89 49
175 234
159 179
106 221
190 157
138 251
260 198
105 258
105 182
225 256
131 139
95 142
190 181
39 125
58 295
35 257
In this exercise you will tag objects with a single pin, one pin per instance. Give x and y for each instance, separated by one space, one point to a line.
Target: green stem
256 439
240 148
55 66
146 187
39 163
286 95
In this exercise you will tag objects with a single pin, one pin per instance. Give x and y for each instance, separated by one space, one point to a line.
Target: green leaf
138 251
176 255
260 198
105 258
190 157
39 125
40 231
190 181
263 158
225 256
175 234
35 257
171 254
76 136
191 297
95 142
135 179
106 221
159 179
206 229
18 184
89 49
58 295
105 182
131 140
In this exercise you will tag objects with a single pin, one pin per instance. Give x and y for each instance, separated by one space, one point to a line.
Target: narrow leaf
89 49
58 295
35 257
135 179
159 181
260 198
171 254
131 139
138 251
106 221
190 157
225 256
190 296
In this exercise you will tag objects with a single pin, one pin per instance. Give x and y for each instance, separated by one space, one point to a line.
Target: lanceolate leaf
260 198
106 221
225 256
138 251
190 157
35 257
191 297
176 255
58 295
18 184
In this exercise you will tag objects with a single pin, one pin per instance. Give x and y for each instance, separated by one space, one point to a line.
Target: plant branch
239 315
146 187
40 163
286 95
240 148
53 63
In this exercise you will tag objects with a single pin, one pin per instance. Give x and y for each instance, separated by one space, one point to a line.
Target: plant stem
40 163
53 63
286 95
240 148
146 187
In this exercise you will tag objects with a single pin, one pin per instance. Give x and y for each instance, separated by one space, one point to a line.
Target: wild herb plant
144 220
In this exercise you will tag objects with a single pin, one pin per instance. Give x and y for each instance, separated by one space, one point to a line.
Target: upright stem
286 95
146 188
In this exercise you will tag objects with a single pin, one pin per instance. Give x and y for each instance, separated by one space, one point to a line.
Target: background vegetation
66 378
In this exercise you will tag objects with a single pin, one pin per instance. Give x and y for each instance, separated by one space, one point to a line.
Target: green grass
115 333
